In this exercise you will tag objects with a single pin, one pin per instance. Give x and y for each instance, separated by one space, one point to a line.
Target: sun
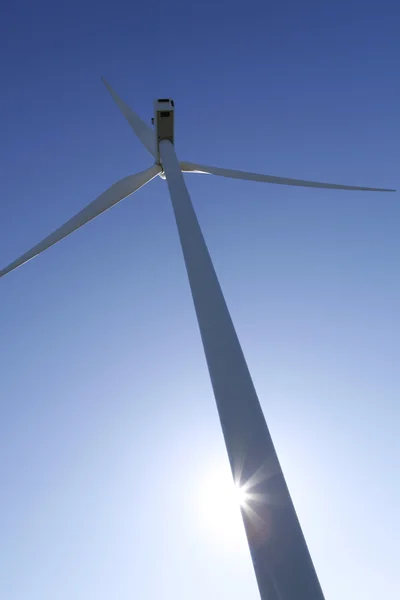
241 495
218 508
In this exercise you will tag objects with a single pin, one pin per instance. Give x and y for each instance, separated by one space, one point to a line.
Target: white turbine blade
195 168
145 134
117 192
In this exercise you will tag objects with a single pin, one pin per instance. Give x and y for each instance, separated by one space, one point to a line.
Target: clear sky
112 459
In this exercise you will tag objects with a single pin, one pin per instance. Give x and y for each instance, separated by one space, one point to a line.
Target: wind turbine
282 563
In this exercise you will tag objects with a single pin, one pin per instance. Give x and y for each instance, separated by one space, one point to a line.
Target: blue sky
109 438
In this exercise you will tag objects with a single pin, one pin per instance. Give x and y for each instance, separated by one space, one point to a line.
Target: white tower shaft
280 556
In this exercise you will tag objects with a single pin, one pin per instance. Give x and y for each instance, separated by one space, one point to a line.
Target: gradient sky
109 436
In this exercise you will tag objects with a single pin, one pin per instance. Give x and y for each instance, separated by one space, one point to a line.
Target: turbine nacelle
163 122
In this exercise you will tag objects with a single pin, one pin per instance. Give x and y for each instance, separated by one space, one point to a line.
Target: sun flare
219 501
241 495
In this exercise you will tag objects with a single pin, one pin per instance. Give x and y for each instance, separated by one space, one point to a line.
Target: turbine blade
195 168
145 134
117 192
